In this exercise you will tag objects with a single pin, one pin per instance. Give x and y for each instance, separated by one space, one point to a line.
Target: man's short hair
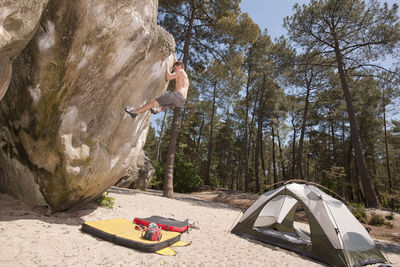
179 63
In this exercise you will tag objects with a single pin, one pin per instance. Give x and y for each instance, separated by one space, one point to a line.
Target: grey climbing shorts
174 98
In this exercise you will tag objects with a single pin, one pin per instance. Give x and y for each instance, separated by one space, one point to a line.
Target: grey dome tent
336 237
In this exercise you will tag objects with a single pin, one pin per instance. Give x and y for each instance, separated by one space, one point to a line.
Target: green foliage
389 224
354 34
105 201
151 143
240 84
158 178
205 28
390 216
185 179
215 182
376 219
359 212
357 205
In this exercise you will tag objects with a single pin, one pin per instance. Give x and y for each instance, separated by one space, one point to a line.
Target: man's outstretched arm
168 75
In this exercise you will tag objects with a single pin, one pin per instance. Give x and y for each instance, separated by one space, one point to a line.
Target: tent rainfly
336 237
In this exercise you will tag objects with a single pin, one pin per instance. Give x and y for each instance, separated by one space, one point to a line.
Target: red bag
153 232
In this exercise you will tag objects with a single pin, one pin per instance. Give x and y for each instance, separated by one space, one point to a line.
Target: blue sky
269 14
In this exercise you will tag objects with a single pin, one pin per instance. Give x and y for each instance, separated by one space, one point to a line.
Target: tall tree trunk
293 148
158 155
199 139
259 137
281 157
188 35
268 180
347 165
181 125
253 115
233 179
302 132
169 165
240 177
326 143
273 157
207 180
169 168
246 133
370 195
308 174
256 161
334 144
262 155
239 172
387 150
387 156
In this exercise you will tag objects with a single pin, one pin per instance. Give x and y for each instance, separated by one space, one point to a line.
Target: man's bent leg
163 108
159 109
146 107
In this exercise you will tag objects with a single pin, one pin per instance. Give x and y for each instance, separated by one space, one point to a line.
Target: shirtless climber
176 98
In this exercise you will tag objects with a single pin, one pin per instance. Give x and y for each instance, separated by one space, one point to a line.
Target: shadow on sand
177 196
288 252
389 248
14 209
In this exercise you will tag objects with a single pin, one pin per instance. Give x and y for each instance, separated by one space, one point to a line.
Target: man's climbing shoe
133 115
154 111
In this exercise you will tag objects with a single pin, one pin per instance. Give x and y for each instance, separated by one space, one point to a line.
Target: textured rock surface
18 22
139 175
64 136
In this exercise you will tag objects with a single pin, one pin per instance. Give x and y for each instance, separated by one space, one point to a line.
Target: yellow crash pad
123 232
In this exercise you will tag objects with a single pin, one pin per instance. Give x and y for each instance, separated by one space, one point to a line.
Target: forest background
318 104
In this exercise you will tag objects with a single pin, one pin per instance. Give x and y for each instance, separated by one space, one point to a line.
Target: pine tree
350 35
199 29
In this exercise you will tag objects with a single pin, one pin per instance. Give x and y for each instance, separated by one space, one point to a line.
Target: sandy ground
30 238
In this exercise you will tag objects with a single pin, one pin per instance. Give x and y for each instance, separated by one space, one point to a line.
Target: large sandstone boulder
18 22
139 175
64 136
